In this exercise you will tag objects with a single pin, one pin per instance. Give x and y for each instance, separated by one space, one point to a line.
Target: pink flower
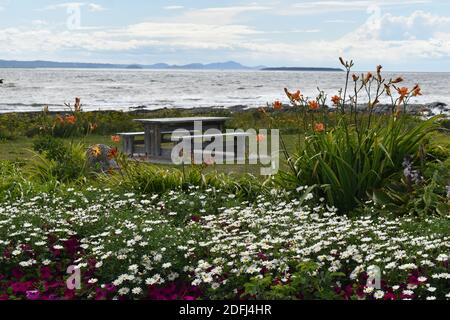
72 245
389 296
17 273
33 295
69 294
21 287
46 273
413 280
100 294
189 298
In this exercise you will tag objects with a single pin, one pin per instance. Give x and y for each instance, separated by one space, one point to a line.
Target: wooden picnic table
156 128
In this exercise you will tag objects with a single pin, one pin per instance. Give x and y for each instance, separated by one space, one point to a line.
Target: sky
401 35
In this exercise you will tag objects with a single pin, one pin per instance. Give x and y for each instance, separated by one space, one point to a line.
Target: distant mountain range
302 69
230 65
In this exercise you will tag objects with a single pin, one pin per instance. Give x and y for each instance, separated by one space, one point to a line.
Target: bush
360 150
55 161
350 165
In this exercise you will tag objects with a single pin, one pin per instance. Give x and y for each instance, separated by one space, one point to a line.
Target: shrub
55 161
363 148
350 165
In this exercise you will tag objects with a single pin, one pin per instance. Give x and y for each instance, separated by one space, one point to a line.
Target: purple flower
409 173
33 295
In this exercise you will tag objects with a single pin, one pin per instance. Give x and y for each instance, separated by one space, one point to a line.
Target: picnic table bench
232 148
133 146
148 143
155 129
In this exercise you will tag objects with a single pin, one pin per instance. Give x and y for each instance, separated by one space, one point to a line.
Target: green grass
19 149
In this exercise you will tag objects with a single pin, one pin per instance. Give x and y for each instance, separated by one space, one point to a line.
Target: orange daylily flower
115 139
277 105
313 105
96 151
336 100
416 91
319 127
297 96
403 92
71 119
113 153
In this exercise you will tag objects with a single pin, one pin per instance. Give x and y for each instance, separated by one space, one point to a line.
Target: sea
29 90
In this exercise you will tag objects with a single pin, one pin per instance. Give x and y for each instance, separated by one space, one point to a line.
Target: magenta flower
33 295
46 273
17 273
21 287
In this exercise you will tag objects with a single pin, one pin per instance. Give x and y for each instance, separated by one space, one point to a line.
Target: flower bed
209 245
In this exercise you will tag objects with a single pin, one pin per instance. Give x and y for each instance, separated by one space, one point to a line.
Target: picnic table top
182 120
230 134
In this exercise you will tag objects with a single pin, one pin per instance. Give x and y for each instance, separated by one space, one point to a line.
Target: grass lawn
20 149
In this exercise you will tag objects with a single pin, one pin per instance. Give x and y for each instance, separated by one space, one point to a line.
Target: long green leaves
350 165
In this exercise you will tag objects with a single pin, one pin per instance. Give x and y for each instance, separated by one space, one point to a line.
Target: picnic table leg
147 141
155 141
128 145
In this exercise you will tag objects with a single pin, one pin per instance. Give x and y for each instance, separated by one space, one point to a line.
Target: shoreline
429 109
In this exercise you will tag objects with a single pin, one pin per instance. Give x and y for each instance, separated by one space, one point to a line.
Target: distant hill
230 65
301 69
51 64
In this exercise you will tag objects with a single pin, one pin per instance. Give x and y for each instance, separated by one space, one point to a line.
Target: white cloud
321 7
93 7
219 15
390 39
173 7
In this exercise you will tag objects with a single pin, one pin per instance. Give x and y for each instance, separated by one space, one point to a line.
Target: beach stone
439 105
98 157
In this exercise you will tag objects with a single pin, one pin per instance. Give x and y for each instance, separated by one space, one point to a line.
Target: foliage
361 151
306 284
55 161
427 196
349 165
146 178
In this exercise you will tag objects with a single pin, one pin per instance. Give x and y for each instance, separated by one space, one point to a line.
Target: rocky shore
429 110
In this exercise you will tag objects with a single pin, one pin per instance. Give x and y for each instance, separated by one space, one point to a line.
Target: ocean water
26 90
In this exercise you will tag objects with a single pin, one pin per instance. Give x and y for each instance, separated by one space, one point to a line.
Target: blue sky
402 35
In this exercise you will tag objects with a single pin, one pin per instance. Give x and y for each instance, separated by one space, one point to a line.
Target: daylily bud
388 90
398 80
367 77
379 67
